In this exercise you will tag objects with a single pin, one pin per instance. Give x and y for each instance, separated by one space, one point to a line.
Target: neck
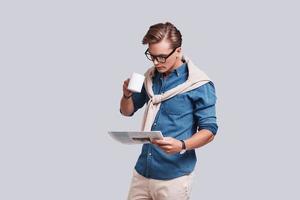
177 64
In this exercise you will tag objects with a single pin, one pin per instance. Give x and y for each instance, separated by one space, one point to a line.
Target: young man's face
163 49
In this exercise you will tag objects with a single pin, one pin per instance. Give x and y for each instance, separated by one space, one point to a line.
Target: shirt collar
182 69
179 71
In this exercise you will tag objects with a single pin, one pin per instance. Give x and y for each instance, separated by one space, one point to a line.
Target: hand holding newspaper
135 137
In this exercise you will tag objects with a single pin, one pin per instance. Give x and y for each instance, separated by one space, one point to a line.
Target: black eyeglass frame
165 57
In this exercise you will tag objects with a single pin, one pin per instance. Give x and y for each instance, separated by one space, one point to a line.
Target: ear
179 52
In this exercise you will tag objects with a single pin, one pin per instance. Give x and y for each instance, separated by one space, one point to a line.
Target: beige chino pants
142 188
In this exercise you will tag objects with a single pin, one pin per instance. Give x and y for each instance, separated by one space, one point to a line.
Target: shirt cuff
211 127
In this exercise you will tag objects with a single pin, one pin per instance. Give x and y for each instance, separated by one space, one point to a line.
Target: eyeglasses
159 58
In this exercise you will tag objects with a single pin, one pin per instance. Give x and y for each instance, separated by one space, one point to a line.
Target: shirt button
149 154
154 124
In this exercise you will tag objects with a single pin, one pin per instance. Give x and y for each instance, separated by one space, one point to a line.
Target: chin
161 69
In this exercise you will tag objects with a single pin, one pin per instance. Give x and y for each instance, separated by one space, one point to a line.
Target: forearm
199 139
126 106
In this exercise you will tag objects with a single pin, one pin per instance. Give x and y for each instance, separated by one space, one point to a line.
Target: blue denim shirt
179 117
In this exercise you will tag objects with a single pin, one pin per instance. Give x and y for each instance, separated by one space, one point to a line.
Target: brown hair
161 31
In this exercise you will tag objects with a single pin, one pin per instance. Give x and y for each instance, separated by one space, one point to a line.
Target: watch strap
183 147
126 97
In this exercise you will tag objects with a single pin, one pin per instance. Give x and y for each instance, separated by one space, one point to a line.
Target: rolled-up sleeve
204 99
139 99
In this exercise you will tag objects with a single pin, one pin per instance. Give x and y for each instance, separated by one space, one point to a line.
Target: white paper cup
136 82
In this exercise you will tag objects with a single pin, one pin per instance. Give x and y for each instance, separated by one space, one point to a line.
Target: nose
155 62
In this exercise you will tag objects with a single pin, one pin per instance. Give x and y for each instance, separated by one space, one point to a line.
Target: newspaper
135 137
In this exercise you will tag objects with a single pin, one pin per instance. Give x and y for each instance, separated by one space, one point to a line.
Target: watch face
182 151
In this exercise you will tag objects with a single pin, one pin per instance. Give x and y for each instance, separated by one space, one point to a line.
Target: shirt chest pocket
177 105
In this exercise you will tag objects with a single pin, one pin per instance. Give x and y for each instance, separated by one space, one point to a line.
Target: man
180 102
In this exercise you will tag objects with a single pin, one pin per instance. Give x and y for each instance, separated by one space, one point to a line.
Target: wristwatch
127 97
183 147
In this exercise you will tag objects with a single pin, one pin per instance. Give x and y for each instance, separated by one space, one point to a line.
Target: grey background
62 68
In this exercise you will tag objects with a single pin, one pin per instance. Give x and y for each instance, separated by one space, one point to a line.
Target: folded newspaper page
135 137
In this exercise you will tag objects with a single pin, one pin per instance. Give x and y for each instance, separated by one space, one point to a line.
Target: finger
125 84
162 145
127 81
155 140
166 148
125 88
169 152
163 142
